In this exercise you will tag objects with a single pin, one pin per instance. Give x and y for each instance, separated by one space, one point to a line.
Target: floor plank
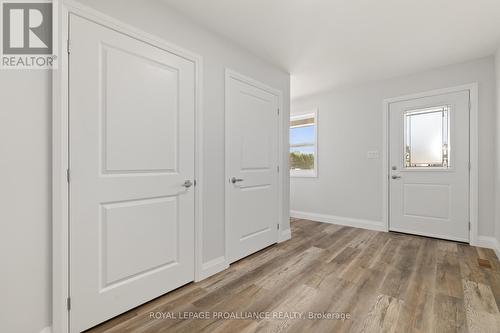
366 281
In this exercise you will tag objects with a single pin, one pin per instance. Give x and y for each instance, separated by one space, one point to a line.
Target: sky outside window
300 136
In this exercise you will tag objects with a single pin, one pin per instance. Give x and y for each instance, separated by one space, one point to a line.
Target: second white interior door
252 136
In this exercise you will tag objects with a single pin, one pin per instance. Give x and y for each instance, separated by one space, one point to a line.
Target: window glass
427 138
303 145
303 135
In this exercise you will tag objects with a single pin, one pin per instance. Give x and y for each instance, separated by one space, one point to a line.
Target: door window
427 143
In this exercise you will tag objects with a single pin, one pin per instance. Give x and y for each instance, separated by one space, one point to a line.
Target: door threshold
430 237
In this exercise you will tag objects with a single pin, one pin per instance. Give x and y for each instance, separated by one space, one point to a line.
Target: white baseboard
486 241
347 221
285 235
490 243
47 329
212 267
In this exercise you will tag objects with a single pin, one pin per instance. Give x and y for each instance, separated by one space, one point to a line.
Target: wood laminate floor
386 282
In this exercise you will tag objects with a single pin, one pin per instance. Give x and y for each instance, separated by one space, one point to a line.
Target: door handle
395 177
235 180
187 184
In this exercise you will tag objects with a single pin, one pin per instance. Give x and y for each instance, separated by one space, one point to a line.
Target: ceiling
329 43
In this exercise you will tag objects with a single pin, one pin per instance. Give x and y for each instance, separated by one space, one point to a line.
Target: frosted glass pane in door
426 138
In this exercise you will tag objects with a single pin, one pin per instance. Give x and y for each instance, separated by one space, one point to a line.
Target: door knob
395 177
235 180
187 184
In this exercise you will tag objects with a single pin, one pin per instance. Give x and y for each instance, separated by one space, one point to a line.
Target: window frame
313 173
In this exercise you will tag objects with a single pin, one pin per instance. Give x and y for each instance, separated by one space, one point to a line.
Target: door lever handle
235 180
395 177
187 184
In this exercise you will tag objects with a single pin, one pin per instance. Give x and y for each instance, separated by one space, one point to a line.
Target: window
303 145
427 138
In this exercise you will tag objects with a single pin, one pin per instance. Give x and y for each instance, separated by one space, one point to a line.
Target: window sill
303 174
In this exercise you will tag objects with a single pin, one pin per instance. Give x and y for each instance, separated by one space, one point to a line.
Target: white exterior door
132 112
429 166
252 132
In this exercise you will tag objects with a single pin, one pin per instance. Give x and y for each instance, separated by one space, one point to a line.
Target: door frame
60 151
472 88
231 74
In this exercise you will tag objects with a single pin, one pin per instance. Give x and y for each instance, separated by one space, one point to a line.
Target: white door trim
60 152
473 153
235 75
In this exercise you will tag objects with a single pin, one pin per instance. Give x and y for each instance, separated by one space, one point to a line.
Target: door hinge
278 168
278 226
68 175
68 303
68 46
278 111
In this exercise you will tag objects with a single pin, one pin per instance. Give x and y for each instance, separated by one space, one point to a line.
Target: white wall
25 162
350 124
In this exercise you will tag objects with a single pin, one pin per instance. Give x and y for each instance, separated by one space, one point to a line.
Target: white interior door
252 132
429 166
132 109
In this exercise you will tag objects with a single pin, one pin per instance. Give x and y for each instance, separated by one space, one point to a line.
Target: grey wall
25 162
497 165
350 124
25 205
